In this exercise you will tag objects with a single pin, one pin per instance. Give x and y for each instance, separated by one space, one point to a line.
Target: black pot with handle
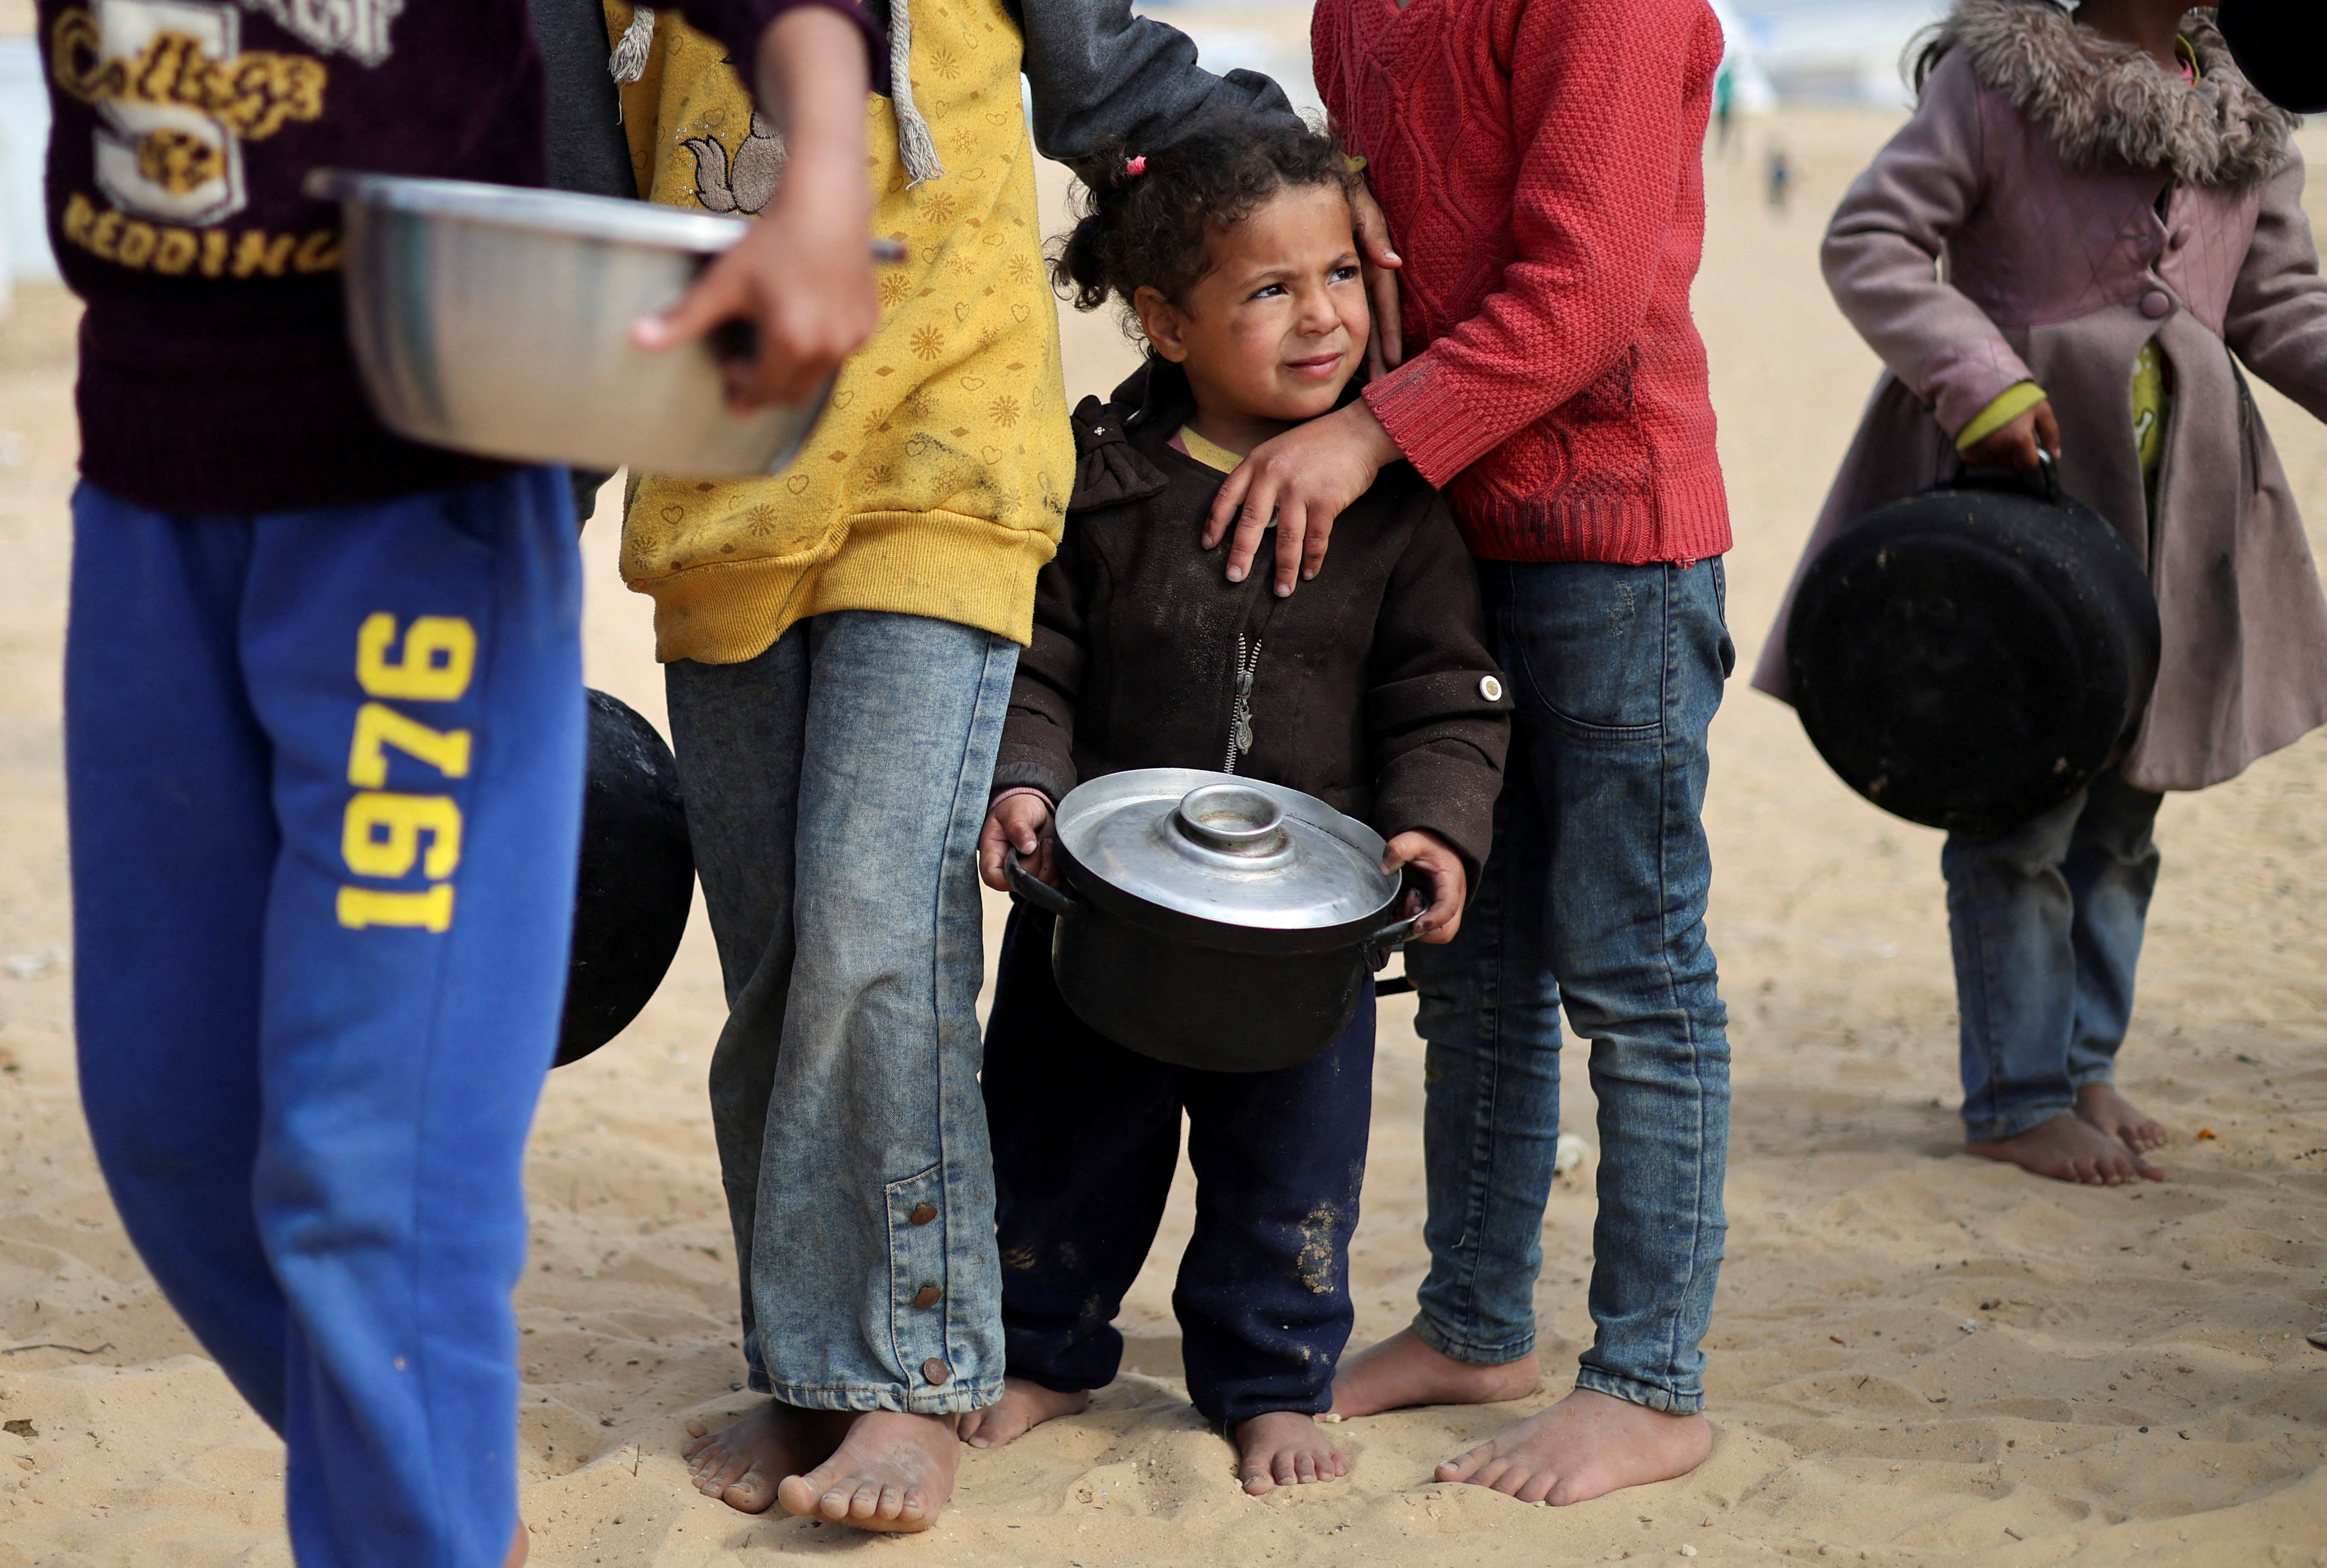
1215 921
1971 657
636 883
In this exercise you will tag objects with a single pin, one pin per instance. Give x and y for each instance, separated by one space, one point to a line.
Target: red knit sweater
1539 160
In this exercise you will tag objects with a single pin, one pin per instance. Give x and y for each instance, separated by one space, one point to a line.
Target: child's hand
1023 823
1304 479
1449 883
2015 444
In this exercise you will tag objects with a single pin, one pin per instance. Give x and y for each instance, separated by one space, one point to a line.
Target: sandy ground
1919 1357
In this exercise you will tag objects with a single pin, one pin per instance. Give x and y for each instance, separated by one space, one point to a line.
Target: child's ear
1160 319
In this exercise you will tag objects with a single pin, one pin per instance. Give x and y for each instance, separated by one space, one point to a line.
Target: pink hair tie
1134 167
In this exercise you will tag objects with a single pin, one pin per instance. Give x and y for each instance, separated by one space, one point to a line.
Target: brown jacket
1370 687
2085 203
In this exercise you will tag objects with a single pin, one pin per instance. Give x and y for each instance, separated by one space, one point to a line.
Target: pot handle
1035 890
1378 945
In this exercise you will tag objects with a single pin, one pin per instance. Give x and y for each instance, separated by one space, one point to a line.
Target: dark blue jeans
1086 1138
1595 899
2046 924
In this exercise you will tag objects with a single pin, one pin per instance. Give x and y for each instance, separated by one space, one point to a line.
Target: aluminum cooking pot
1971 657
1214 921
496 320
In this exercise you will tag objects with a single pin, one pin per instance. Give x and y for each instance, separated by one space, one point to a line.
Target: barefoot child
1371 689
2119 213
1541 163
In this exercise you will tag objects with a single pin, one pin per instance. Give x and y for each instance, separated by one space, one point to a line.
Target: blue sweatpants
324 771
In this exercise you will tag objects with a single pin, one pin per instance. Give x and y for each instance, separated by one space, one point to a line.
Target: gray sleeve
1096 71
582 120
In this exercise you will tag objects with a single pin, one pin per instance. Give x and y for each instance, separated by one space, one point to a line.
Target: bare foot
1286 1449
520 1548
2069 1149
1025 1406
893 1471
1401 1370
742 1464
1586 1446
2120 1118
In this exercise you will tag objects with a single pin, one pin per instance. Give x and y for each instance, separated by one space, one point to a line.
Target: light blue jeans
1594 898
2047 923
835 786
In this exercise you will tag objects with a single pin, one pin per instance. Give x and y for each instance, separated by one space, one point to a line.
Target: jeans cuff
1634 1392
957 1398
2104 1074
1995 1129
1468 1351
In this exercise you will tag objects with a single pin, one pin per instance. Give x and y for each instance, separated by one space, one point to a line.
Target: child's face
1275 329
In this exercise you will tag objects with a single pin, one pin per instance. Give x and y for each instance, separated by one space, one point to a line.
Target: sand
1919 1357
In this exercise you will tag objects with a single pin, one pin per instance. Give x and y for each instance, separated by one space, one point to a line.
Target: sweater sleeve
1601 104
2277 319
1437 714
1882 250
1094 69
1038 734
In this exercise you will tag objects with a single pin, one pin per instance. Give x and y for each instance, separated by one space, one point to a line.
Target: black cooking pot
2282 47
1215 921
637 879
1971 657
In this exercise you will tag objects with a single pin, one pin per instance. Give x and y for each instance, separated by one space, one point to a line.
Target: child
2118 212
1541 162
324 719
1372 689
839 643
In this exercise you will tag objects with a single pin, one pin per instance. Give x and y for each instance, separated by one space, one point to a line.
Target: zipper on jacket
1241 712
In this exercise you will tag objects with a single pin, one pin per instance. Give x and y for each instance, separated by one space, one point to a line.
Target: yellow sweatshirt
937 482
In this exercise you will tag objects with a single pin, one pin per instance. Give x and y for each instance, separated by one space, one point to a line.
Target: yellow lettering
176 251
138 242
379 726
78 216
253 95
380 835
319 252
77 55
440 653
105 234
259 251
429 911
213 252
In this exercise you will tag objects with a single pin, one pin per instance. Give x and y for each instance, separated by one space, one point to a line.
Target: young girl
2118 214
1371 688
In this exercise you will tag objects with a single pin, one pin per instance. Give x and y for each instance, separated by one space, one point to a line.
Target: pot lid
1219 847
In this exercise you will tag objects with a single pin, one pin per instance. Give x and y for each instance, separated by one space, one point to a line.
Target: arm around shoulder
1094 70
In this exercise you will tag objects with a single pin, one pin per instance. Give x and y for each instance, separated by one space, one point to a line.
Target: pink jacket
2056 203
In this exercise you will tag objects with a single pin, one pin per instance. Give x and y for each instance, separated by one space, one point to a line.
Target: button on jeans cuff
1644 1394
1468 1354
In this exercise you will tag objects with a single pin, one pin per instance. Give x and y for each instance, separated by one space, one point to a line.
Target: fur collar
2102 102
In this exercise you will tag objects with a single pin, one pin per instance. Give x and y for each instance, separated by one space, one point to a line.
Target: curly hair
1152 229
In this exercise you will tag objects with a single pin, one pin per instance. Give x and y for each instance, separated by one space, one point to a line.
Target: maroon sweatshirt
215 372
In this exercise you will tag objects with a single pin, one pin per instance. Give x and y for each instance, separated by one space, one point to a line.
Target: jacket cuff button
1491 688
922 1214
936 1373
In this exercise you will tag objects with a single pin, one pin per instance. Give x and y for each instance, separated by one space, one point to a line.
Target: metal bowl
496 320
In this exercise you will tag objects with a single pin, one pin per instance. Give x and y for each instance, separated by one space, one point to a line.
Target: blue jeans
2046 923
835 787
1594 898
1086 1140
325 774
